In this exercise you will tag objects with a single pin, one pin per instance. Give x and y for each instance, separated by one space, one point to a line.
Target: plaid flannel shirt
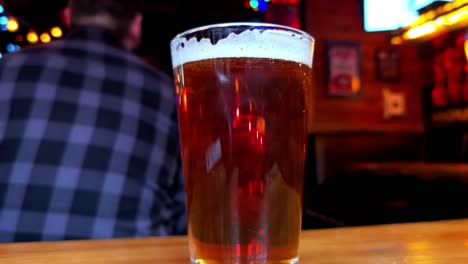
89 145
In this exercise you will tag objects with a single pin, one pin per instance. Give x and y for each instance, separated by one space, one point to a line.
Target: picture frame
343 69
387 64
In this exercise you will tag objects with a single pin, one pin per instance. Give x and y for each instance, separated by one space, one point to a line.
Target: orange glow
236 85
436 21
56 32
45 38
184 101
457 16
466 48
355 84
396 40
422 30
261 125
12 25
178 78
32 37
418 245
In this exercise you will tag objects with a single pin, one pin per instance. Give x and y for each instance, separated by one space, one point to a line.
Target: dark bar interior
387 123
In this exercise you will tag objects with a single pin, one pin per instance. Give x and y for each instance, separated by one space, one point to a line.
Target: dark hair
121 12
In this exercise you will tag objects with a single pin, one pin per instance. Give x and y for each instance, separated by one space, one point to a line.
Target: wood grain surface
424 243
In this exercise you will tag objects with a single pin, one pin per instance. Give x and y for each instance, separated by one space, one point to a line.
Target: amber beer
243 116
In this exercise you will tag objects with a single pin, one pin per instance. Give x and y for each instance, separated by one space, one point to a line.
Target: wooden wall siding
342 20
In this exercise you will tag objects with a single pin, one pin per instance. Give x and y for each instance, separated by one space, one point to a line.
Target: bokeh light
262 6
10 47
12 25
3 20
32 37
254 4
45 38
56 32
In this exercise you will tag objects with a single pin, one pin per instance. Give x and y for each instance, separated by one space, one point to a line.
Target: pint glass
241 98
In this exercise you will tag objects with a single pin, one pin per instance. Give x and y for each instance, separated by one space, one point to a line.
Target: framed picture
387 64
343 69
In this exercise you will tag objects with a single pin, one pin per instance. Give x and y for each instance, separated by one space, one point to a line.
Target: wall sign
343 69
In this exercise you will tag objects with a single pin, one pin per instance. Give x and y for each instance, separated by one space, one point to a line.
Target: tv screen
383 15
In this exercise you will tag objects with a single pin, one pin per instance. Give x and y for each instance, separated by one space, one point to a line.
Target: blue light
2 10
262 6
3 27
17 47
381 15
1 56
10 47
3 20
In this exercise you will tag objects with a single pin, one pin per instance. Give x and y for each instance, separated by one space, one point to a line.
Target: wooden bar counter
424 243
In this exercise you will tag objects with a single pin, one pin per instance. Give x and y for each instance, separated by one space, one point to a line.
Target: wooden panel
342 20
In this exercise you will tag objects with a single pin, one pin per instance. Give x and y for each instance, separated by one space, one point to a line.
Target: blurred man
88 135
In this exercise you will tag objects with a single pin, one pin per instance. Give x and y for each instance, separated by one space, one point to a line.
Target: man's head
121 16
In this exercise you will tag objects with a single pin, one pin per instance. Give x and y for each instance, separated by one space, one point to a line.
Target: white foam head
261 42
